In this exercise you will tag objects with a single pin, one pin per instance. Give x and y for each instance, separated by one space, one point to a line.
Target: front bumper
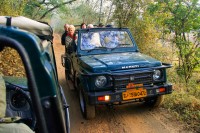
116 96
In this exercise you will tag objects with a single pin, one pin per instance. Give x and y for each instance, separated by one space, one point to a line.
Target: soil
128 118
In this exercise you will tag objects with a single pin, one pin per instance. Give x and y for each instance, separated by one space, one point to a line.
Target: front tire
88 111
155 101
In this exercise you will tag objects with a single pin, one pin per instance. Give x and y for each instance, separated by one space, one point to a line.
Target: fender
82 79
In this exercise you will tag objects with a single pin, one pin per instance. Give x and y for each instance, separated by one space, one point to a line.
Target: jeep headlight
157 74
100 81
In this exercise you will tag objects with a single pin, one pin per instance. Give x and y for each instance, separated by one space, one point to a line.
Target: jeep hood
117 61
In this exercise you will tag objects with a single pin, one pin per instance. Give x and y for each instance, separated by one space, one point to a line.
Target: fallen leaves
11 63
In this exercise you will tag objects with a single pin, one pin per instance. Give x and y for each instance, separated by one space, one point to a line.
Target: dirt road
130 118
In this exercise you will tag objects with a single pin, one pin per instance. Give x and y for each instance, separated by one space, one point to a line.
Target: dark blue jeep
107 68
31 98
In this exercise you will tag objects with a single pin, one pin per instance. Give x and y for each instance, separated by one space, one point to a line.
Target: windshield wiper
113 48
97 48
90 50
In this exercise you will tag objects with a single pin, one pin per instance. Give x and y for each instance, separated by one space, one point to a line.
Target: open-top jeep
33 94
107 68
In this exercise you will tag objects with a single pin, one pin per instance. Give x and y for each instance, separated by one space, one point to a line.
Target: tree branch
57 6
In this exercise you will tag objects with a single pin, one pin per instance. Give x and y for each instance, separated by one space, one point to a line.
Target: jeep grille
120 81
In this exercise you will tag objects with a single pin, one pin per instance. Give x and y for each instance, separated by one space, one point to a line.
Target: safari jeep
33 94
107 68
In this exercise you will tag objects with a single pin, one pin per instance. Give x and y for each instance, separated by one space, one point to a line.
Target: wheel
88 111
155 101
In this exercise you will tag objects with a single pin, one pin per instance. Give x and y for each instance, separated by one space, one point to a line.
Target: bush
186 106
183 102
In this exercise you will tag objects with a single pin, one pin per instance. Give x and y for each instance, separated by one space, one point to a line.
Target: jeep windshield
105 39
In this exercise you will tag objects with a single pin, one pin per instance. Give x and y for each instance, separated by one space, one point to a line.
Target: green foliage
14 65
126 10
12 7
189 55
182 18
165 18
31 9
79 12
37 9
187 108
86 14
184 104
133 15
156 32
144 34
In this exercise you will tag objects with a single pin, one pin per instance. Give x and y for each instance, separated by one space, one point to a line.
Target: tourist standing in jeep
64 34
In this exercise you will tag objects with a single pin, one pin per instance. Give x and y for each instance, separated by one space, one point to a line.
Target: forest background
168 30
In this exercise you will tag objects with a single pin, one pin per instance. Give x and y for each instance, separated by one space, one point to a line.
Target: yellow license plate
134 93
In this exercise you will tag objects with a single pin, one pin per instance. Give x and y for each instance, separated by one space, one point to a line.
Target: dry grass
185 105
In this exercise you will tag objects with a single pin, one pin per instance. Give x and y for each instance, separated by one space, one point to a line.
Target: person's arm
15 128
68 41
63 38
